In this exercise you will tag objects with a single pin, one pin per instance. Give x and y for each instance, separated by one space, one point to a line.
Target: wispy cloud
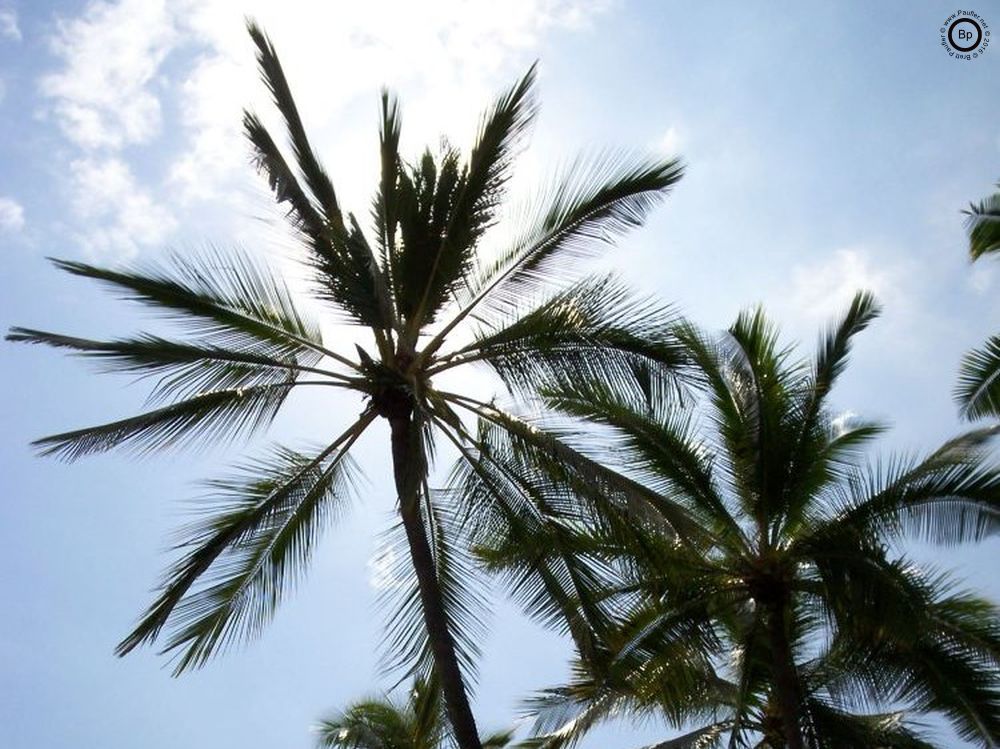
119 216
11 216
383 571
670 142
9 28
102 94
821 290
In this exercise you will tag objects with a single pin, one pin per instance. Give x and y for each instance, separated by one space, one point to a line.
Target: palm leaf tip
983 226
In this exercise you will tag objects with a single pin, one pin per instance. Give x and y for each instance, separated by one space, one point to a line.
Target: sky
830 147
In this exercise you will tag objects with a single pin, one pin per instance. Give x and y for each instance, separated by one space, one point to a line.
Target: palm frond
595 330
705 737
385 210
831 359
952 496
253 542
274 78
348 273
368 724
978 389
407 647
522 531
833 729
224 298
212 418
983 225
479 193
183 369
282 180
655 436
594 202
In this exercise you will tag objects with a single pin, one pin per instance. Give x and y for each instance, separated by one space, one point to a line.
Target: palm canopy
245 346
383 723
777 607
978 389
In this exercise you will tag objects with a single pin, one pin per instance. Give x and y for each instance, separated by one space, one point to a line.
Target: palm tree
381 723
978 390
431 303
768 600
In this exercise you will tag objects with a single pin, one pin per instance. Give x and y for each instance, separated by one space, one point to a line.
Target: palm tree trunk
442 643
786 679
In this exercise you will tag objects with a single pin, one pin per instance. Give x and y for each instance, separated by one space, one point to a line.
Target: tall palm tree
382 723
770 601
978 390
432 304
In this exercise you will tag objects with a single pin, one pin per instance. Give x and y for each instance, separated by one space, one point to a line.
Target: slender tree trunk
786 679
442 643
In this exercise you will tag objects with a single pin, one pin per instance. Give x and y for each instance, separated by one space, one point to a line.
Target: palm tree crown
768 600
416 284
383 723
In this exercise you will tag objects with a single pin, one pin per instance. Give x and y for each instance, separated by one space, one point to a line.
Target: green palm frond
385 208
594 202
705 737
220 297
418 722
983 225
833 729
944 660
316 177
269 161
951 496
978 389
371 724
661 443
615 494
213 418
480 189
252 544
832 357
595 330
349 274
183 369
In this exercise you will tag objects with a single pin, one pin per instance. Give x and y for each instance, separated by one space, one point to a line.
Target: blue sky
830 146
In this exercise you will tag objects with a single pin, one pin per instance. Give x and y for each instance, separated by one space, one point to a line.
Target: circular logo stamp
965 35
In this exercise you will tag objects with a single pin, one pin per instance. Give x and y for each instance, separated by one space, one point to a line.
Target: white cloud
981 278
119 216
383 571
8 24
822 290
111 54
670 142
11 215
